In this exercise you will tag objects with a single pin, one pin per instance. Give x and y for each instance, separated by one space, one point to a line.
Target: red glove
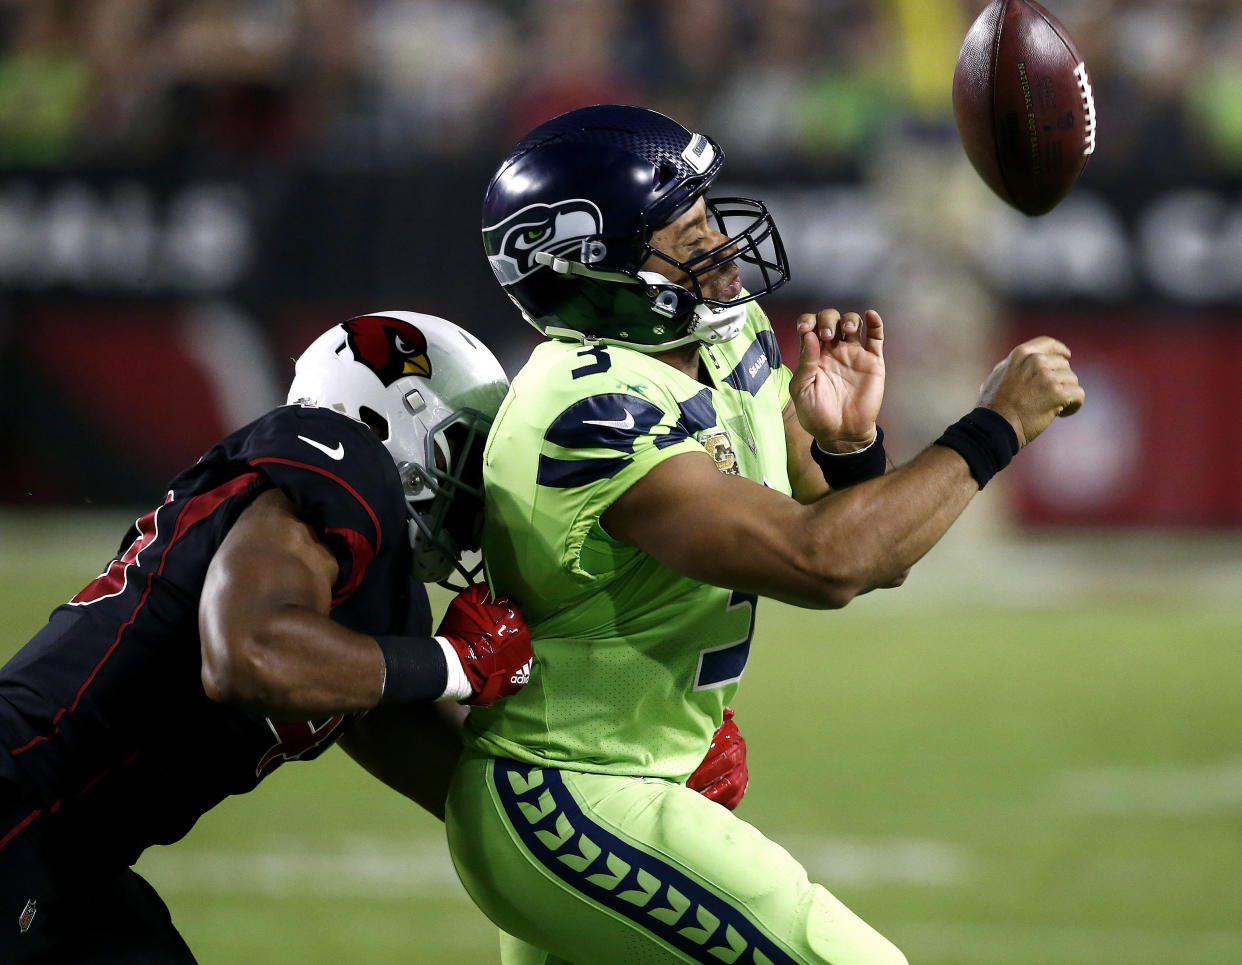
492 640
723 777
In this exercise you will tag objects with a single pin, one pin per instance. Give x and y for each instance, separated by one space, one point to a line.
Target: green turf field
1027 757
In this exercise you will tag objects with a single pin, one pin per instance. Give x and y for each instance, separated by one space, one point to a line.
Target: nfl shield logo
27 916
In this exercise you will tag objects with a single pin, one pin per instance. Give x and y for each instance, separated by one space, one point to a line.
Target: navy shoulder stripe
570 473
773 346
611 421
697 413
760 361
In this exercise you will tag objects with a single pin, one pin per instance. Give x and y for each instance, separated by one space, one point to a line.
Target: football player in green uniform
653 470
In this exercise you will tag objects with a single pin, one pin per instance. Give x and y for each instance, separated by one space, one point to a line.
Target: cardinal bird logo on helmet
389 347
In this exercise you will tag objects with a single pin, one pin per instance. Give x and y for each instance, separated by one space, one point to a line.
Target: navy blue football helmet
567 225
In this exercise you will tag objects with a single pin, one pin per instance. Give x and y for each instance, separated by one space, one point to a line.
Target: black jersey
104 723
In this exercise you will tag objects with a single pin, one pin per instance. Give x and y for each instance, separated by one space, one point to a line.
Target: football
1023 104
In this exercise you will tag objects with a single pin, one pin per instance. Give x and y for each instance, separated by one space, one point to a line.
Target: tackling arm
268 643
413 748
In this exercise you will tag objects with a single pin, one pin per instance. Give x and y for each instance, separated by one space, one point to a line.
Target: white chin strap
711 325
714 325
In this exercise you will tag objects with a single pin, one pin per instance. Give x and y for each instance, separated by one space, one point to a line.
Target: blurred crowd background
191 189
812 85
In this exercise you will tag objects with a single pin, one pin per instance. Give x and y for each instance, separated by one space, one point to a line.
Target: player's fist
492 640
723 776
1032 386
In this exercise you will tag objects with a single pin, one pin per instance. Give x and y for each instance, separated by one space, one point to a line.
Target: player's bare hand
1033 385
838 386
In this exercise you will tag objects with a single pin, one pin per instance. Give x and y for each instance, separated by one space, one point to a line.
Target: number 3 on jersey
724 664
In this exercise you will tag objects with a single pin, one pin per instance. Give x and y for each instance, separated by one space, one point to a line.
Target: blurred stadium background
1028 754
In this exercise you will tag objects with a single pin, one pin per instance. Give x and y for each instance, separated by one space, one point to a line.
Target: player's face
688 237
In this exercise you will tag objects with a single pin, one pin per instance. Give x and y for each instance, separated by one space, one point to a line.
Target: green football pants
595 869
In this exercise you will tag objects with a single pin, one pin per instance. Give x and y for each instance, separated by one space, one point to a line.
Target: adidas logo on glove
522 676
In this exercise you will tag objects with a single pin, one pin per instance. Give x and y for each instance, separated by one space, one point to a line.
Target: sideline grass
1054 784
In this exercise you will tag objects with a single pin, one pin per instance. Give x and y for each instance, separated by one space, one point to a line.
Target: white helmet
429 390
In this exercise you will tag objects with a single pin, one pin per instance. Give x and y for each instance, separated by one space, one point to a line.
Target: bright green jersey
634 663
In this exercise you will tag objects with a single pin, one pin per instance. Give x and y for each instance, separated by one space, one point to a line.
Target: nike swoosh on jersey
337 453
623 424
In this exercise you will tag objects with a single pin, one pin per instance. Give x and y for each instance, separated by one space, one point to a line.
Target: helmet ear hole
375 422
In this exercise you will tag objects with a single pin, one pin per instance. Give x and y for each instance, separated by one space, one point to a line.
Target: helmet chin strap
710 324
668 290
715 325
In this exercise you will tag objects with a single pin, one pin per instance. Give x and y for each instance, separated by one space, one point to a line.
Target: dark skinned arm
805 476
843 544
821 555
413 748
268 644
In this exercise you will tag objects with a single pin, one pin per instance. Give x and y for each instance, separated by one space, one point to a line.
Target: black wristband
847 468
985 439
414 669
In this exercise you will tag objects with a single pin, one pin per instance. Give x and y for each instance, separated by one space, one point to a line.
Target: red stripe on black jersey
336 479
21 826
26 822
111 582
361 553
100 776
196 509
148 696
361 550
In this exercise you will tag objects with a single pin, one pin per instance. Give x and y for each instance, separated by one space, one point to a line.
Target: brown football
1024 106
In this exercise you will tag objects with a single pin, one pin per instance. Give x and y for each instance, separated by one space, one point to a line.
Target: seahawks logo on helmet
555 228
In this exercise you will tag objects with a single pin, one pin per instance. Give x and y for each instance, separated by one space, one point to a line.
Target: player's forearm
734 533
292 662
877 530
858 539
412 748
